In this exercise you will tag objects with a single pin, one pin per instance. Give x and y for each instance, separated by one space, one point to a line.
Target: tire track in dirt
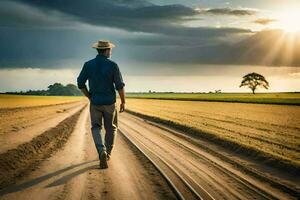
35 122
18 162
73 173
265 130
210 135
153 137
129 176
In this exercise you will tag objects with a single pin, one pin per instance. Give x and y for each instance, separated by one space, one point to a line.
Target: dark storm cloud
228 11
43 33
114 13
264 21
145 17
132 3
130 15
14 14
39 47
32 32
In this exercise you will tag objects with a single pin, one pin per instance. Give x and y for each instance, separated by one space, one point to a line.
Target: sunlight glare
289 20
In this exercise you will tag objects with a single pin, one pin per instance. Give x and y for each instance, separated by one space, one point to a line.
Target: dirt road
73 171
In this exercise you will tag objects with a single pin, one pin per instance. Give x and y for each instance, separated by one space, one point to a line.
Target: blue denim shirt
104 78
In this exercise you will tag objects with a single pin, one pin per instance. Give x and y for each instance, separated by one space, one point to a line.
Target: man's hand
122 107
86 93
122 96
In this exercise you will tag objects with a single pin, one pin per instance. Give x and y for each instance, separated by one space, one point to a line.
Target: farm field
266 98
273 130
21 123
17 101
23 117
37 150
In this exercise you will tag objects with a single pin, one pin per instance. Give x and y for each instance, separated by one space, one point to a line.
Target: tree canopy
253 80
57 89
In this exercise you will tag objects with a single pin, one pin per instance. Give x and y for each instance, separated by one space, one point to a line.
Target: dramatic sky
161 45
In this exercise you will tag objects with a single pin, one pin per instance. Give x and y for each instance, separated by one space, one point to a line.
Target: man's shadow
62 180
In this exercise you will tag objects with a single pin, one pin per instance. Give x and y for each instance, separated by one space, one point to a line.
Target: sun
289 20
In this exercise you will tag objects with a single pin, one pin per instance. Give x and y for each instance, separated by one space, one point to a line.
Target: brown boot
103 160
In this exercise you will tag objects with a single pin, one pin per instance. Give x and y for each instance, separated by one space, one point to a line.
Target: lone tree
253 80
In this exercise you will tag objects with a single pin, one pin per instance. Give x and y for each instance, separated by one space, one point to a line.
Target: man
104 78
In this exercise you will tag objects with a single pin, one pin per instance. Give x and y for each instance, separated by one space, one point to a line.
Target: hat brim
95 45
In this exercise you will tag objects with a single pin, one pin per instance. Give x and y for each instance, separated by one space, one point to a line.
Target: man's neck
102 55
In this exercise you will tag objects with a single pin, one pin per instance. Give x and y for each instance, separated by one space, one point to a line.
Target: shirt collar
101 56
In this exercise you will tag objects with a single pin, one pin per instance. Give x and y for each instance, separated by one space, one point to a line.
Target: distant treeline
57 89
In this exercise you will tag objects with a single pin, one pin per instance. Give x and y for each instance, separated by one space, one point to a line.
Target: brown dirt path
73 173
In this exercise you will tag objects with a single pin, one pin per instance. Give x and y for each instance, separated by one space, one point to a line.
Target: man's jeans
109 115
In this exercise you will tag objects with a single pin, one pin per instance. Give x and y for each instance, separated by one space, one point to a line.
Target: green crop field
267 98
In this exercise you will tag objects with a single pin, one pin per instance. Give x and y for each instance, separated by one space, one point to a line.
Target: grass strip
288 98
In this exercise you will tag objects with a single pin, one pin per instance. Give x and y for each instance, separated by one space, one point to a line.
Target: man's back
104 78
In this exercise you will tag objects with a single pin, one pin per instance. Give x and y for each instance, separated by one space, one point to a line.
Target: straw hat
103 44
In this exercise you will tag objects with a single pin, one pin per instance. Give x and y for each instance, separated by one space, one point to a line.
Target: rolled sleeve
118 80
82 78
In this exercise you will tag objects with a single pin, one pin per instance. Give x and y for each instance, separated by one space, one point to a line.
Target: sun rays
286 48
288 20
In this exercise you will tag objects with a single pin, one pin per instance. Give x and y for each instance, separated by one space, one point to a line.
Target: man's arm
81 80
122 96
119 84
